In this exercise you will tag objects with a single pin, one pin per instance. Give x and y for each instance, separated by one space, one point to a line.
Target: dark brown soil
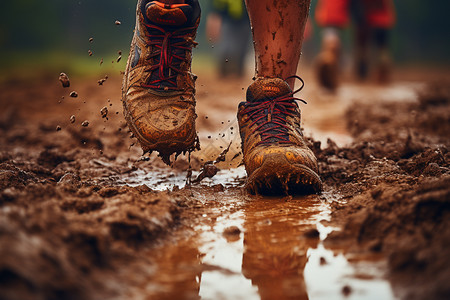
395 183
70 228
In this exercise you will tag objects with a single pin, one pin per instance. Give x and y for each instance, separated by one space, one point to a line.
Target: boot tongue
166 15
266 89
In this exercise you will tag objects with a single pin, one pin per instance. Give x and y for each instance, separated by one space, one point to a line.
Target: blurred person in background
228 26
372 20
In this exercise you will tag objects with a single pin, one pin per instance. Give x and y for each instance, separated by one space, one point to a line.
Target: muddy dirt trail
84 216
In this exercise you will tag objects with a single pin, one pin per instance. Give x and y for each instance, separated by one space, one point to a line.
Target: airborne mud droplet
222 155
104 112
58 128
73 94
346 290
208 170
90 52
117 22
72 119
101 81
85 123
64 80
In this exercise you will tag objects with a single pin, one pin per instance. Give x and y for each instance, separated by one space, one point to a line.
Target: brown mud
84 216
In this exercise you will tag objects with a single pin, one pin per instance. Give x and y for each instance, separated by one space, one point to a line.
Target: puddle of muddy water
274 251
276 258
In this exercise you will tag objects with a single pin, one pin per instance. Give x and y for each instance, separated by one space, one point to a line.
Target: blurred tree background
55 33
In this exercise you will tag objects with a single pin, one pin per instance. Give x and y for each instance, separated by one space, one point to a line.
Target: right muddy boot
158 86
276 157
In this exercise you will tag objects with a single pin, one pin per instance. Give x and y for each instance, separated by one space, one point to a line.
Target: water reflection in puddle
276 253
277 256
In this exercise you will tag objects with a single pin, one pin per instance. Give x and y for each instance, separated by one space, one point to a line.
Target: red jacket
375 13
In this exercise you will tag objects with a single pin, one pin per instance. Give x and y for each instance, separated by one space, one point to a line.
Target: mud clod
232 233
85 123
108 192
223 154
232 230
73 94
70 181
218 188
104 112
346 290
312 233
102 81
208 170
64 80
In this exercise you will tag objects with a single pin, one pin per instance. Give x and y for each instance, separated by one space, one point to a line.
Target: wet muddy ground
84 216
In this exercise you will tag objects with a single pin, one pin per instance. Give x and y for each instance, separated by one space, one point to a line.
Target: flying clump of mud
102 81
64 80
104 112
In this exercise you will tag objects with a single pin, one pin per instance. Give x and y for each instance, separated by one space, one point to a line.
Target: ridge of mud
69 228
72 233
395 186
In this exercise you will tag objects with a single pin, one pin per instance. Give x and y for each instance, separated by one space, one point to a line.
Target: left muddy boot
158 86
276 157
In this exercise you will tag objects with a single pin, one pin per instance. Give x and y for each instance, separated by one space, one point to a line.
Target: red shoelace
270 116
171 45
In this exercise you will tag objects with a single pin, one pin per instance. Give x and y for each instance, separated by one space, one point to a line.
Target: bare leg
275 155
277 27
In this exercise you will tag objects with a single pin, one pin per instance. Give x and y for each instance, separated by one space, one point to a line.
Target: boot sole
277 176
164 148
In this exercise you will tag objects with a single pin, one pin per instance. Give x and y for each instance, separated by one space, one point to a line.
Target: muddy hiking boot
276 157
158 86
